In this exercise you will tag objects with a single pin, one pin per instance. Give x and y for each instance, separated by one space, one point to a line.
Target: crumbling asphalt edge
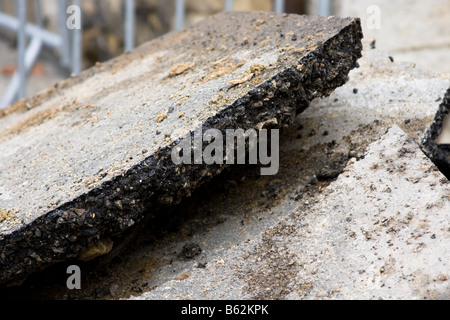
439 154
116 205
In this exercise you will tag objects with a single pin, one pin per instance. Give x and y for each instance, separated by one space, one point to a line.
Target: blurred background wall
410 30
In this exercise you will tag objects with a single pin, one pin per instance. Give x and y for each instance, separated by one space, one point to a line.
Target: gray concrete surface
380 231
88 158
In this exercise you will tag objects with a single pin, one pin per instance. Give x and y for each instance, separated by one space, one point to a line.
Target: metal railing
69 42
39 37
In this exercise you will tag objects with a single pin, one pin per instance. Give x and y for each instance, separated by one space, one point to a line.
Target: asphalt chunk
433 143
72 168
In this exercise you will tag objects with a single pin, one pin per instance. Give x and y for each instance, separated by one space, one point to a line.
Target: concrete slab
90 157
380 231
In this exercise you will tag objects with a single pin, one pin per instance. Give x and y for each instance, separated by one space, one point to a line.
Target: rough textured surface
240 210
88 158
363 238
393 204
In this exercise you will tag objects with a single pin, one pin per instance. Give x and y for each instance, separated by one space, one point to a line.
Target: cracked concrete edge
365 237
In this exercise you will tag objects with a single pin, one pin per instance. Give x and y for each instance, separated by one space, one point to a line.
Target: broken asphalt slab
90 157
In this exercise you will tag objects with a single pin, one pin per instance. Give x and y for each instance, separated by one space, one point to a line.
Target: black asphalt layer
439 153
